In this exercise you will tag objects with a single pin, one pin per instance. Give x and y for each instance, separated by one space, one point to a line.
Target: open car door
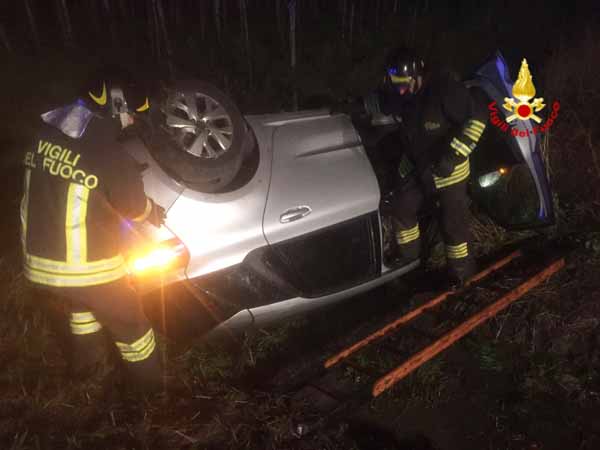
508 175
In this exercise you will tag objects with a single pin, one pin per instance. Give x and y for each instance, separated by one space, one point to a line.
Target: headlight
164 256
492 178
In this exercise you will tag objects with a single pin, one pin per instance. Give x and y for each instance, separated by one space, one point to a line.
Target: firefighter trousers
454 220
112 311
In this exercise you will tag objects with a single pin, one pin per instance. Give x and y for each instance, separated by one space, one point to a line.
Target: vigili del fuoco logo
521 107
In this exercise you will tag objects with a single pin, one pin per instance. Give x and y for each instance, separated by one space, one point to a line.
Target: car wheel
198 135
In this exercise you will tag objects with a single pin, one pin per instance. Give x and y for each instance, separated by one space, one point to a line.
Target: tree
217 11
32 25
4 39
65 22
279 20
111 23
202 13
244 20
93 11
292 14
162 29
152 28
351 24
344 4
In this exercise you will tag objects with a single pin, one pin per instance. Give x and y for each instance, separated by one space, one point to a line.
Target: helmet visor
400 82
400 79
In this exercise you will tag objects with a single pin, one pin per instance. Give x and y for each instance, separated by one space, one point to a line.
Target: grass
243 418
204 365
428 385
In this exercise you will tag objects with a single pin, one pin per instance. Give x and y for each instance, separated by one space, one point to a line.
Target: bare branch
111 23
244 15
217 11
292 14
32 24
65 22
4 39
163 28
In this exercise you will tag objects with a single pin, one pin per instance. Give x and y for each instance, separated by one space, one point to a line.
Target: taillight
159 258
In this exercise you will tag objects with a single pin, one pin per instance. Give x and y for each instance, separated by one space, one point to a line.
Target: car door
508 174
321 217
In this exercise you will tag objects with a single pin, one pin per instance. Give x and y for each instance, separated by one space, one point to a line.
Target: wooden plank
463 329
333 360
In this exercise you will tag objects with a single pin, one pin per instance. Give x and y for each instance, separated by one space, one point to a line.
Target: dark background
246 46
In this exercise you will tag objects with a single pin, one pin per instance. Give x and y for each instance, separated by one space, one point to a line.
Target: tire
183 142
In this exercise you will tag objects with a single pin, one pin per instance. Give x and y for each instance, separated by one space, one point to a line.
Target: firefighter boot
408 246
88 350
460 270
89 356
142 363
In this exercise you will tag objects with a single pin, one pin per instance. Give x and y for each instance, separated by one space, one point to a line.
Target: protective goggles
396 78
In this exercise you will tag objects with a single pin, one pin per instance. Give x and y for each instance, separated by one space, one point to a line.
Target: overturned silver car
273 215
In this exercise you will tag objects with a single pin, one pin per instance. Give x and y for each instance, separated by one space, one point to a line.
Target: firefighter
80 187
441 122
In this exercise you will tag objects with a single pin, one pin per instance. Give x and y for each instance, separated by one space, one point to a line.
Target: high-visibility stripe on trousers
115 307
457 251
406 205
84 323
139 349
406 236
454 220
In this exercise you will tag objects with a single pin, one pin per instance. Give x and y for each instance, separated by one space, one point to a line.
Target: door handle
292 214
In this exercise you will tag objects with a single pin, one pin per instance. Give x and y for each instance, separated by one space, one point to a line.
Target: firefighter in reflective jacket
441 124
80 184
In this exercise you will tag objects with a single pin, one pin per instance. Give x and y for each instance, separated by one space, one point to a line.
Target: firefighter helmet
402 67
113 91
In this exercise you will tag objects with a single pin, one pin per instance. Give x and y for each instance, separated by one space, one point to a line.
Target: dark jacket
443 113
77 193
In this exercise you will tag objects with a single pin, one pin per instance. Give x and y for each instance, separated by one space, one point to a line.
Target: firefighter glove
445 165
157 215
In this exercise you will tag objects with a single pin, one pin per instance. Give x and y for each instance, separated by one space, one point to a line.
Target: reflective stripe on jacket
445 117
76 194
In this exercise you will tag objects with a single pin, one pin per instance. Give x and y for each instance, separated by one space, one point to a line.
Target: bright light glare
491 178
157 259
